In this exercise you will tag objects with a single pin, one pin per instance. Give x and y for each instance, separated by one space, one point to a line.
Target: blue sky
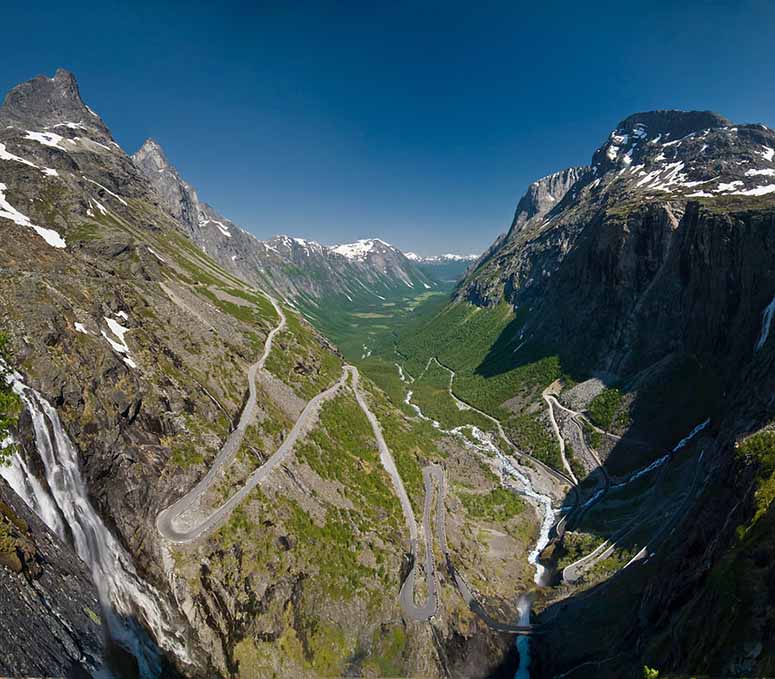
418 123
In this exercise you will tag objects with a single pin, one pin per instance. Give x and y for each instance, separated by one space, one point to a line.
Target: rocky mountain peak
152 155
631 137
674 123
176 196
650 159
46 102
543 195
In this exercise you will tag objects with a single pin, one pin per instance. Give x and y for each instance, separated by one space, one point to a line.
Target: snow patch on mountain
120 346
448 257
7 155
360 249
47 138
765 172
107 190
7 211
220 225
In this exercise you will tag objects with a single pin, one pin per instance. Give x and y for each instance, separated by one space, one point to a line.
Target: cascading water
523 641
124 596
484 442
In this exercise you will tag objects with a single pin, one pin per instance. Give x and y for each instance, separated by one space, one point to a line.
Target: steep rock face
300 270
543 195
649 193
663 249
49 612
177 197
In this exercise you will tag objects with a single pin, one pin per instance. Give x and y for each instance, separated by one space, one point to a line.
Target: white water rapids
67 510
484 443
523 642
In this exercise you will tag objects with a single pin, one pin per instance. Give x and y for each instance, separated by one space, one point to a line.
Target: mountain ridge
301 270
130 349
647 287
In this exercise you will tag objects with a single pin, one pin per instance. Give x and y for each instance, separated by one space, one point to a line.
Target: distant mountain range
448 268
438 259
299 270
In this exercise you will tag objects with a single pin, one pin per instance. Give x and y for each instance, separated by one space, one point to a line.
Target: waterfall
65 507
766 322
29 489
523 641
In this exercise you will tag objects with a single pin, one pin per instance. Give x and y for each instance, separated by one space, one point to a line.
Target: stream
129 604
485 444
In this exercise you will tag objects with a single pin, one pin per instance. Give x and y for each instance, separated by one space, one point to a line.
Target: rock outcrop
49 611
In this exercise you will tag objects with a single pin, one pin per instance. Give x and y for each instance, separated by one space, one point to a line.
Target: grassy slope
301 361
479 343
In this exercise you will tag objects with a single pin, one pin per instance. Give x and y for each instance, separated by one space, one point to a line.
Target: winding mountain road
558 476
406 595
560 439
431 473
170 522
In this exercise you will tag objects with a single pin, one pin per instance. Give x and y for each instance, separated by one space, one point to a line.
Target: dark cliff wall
49 612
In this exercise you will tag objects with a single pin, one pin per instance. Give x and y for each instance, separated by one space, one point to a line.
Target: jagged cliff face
300 270
634 229
661 251
131 347
544 195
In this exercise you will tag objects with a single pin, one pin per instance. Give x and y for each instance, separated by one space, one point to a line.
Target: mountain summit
47 102
177 197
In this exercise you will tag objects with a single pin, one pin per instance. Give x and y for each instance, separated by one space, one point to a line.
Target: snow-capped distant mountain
385 259
298 269
446 268
448 257
361 249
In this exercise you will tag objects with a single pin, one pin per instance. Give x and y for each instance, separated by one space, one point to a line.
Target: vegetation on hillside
604 408
431 391
530 436
479 344
500 504
10 404
411 441
760 448
342 448
300 360
575 545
